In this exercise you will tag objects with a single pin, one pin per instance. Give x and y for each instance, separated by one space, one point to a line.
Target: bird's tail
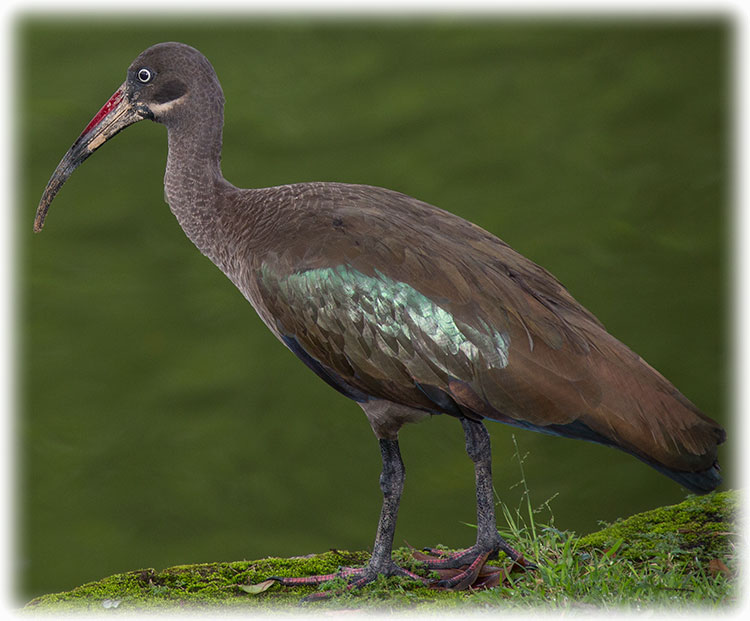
701 482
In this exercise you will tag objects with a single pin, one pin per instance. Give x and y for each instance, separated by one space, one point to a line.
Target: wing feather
401 299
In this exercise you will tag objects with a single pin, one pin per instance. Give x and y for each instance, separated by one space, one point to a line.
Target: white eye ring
144 75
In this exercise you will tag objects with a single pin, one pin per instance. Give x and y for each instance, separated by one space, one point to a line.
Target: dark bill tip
114 116
73 158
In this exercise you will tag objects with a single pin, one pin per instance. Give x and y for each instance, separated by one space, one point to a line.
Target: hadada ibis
408 310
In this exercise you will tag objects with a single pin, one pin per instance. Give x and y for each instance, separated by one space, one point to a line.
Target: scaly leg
391 484
489 542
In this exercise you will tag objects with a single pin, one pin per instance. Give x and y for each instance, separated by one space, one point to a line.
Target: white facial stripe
160 108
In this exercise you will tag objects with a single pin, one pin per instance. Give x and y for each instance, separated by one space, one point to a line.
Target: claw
358 577
446 560
468 569
305 580
464 578
436 552
525 564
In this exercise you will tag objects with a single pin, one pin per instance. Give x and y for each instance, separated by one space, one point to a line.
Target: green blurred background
160 423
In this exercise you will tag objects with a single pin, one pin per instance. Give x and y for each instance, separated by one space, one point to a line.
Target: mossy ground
673 556
697 530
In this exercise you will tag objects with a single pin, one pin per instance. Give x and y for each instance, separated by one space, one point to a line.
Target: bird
408 310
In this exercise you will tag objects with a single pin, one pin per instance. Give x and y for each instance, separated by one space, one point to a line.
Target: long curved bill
114 116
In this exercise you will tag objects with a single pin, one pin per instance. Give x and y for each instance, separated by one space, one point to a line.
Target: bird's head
167 83
169 80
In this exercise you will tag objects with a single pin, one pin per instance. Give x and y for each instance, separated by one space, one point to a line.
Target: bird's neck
193 182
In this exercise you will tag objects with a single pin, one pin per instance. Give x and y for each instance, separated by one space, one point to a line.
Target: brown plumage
407 309
565 374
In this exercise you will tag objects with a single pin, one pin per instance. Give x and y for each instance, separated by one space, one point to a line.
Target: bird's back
387 297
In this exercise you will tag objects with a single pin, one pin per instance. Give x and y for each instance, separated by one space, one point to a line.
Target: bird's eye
145 75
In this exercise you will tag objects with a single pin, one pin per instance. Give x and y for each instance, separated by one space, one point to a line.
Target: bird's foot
468 568
356 578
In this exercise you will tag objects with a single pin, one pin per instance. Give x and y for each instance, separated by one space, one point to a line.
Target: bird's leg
392 485
489 542
381 563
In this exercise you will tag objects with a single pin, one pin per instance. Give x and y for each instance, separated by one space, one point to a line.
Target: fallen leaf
255 589
716 567
421 556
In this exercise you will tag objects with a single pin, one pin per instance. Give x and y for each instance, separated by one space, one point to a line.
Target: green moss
699 529
688 536
211 584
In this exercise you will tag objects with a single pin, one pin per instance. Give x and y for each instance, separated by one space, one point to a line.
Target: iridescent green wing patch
379 333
